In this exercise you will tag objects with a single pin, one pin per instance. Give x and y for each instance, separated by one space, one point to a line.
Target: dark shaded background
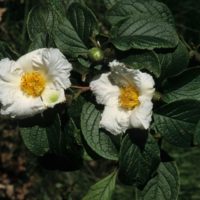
21 175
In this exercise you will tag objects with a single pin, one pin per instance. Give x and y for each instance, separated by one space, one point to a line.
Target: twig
81 87
81 90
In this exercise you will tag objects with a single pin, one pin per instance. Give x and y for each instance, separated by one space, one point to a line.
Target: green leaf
81 69
57 6
197 134
144 60
72 144
138 162
40 19
97 139
38 42
138 9
176 121
75 108
35 139
144 33
164 186
103 189
69 2
83 21
84 62
6 51
73 133
56 137
184 86
142 24
110 3
47 19
173 62
67 39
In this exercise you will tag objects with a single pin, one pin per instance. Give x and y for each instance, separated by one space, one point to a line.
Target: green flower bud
96 54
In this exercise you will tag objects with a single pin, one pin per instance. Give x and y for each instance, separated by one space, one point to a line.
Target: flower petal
8 71
56 67
51 97
142 114
26 61
21 106
115 120
9 80
115 63
144 83
105 92
14 102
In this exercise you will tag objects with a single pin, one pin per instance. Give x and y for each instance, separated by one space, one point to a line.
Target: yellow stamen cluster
33 83
128 98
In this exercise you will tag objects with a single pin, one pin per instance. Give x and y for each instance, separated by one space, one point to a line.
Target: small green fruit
96 54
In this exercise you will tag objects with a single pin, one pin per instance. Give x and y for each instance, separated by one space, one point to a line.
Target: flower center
33 83
128 97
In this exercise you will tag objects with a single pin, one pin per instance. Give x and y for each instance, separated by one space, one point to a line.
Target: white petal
8 71
105 92
144 83
115 63
9 80
50 61
14 102
21 106
26 61
51 97
56 67
142 114
7 93
115 120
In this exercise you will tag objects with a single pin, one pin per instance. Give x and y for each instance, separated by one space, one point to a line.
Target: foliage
142 34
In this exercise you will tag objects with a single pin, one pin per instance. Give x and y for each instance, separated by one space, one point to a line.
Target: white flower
126 94
33 83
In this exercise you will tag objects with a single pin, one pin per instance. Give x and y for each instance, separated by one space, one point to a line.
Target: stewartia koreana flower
33 83
126 94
